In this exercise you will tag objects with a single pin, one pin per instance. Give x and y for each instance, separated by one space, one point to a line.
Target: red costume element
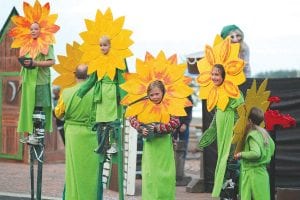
275 118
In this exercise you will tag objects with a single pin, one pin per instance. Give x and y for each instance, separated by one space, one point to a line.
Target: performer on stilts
105 48
221 72
157 95
34 35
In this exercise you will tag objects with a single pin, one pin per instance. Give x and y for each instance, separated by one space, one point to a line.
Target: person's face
104 45
236 36
156 95
35 30
55 93
216 76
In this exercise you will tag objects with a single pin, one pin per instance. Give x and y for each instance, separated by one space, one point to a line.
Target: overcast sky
271 27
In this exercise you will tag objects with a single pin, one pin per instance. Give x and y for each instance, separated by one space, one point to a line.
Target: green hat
227 29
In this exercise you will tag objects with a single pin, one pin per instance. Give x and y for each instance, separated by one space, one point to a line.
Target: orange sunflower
176 85
224 53
67 66
21 32
105 26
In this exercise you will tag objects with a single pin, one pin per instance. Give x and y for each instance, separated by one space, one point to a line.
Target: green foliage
279 74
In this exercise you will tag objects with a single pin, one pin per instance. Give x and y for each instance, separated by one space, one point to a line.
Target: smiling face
218 75
104 45
35 30
236 36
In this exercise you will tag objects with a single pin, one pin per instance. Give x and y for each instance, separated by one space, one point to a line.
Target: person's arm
135 124
59 110
43 63
168 127
254 152
87 85
48 61
209 135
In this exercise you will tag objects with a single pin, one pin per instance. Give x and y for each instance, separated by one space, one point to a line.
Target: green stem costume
221 128
30 79
106 109
254 178
158 169
81 161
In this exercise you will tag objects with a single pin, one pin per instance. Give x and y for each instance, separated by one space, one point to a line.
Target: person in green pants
256 155
158 162
81 162
221 128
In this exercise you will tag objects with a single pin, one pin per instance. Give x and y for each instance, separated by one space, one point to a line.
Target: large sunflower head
40 17
152 73
223 54
254 98
105 44
67 66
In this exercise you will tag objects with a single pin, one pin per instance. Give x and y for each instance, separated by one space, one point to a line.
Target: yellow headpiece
105 26
21 32
67 66
226 54
253 98
175 83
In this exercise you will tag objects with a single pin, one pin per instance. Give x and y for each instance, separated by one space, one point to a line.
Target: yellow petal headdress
225 53
21 32
67 66
176 85
104 25
253 98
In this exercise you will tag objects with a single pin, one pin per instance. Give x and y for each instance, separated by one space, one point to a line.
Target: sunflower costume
36 81
106 74
225 98
158 163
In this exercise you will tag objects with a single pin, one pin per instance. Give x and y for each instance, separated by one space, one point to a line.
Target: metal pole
32 171
118 133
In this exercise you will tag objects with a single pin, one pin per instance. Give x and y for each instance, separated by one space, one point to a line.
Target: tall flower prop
254 98
67 66
105 26
224 53
21 32
176 85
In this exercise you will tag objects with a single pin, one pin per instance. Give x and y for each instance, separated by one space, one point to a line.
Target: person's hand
28 63
182 128
145 131
237 156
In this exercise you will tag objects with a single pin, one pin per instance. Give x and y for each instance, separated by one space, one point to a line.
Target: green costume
81 161
158 169
31 78
106 96
254 178
108 114
221 128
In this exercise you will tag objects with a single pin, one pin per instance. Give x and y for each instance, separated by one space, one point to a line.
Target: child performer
157 93
219 86
258 150
105 48
158 163
34 35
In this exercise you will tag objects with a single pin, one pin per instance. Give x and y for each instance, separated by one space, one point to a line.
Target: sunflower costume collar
223 53
176 86
21 32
